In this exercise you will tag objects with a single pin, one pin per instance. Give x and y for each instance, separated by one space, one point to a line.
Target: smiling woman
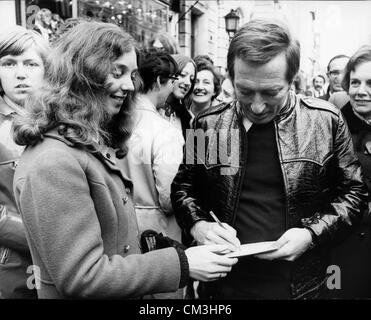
96 89
120 82
175 110
357 82
206 88
76 203
356 264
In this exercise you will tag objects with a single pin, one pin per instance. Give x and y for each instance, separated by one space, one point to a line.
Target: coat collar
145 104
283 113
359 128
106 154
289 106
355 123
6 109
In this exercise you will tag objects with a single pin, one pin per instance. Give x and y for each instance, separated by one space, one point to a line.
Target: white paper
254 248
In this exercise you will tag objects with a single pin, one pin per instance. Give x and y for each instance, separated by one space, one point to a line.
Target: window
47 16
140 18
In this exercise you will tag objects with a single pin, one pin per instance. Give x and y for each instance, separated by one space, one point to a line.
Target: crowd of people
139 173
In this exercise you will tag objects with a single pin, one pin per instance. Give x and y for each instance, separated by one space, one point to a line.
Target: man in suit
335 74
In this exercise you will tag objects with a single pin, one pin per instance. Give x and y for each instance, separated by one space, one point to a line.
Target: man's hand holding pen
205 232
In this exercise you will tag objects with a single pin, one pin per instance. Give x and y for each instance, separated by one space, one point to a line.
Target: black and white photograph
186 156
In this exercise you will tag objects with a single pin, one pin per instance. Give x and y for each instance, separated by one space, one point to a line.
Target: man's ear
158 83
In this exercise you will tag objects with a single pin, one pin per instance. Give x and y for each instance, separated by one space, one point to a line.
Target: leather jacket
322 177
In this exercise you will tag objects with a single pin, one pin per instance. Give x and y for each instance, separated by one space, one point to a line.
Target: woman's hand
207 263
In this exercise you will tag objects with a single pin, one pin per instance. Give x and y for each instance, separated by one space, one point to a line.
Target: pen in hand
215 218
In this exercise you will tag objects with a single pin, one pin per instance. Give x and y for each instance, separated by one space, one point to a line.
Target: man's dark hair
203 57
153 65
339 56
259 41
319 76
168 42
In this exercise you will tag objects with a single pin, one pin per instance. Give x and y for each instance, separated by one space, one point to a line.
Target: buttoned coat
81 226
155 152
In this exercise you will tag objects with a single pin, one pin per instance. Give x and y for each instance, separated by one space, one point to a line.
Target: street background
324 28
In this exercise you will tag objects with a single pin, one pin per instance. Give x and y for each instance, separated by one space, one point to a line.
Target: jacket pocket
221 169
4 254
315 158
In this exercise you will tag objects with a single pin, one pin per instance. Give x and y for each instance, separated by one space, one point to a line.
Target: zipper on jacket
4 255
283 174
241 178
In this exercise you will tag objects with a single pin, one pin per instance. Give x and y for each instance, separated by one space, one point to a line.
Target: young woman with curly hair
75 201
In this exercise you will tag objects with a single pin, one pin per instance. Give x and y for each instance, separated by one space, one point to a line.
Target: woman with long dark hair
176 107
75 201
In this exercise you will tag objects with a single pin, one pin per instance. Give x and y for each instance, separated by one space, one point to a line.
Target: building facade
198 26
324 28
141 18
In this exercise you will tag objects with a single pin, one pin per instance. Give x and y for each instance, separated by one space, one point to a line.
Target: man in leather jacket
275 167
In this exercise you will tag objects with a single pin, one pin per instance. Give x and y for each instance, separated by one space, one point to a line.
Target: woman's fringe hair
16 40
75 91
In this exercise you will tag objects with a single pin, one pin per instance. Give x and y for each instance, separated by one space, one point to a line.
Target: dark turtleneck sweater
261 216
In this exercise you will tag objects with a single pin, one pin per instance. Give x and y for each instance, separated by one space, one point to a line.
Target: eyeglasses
335 73
172 78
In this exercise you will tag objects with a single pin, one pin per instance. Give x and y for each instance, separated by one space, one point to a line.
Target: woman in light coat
155 151
155 148
75 201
